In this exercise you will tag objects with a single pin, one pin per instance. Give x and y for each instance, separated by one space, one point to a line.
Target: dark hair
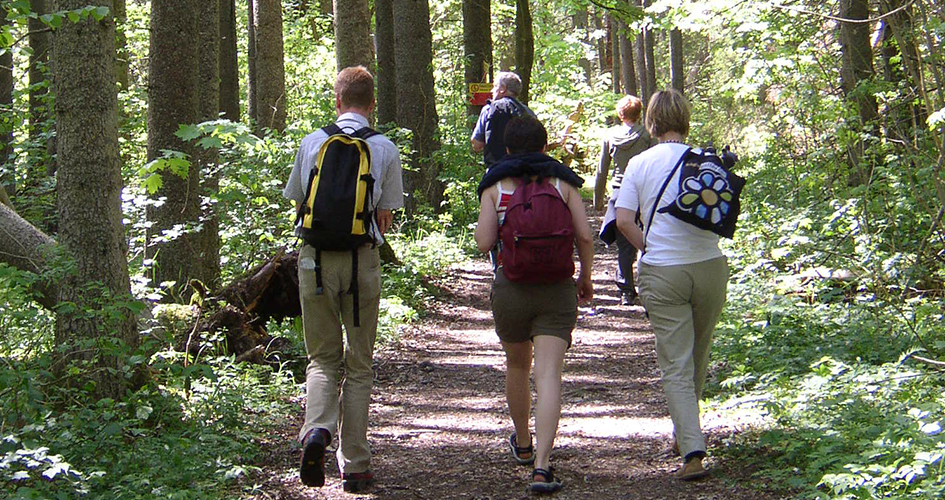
525 134
355 86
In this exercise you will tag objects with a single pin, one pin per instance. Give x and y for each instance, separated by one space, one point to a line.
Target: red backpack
537 235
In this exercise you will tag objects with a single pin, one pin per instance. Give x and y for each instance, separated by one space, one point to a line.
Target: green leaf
143 412
153 183
188 132
73 16
99 13
54 21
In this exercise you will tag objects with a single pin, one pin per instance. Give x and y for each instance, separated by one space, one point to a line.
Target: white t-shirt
385 168
670 241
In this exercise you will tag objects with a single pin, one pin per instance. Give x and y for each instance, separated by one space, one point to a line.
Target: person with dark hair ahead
533 318
489 134
683 275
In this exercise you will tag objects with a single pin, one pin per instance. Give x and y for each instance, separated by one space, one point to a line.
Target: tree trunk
207 266
173 100
40 154
603 48
640 59
524 47
26 248
616 62
628 73
580 19
386 65
353 45
123 65
477 42
270 67
678 75
229 63
416 100
7 173
856 68
251 78
89 188
649 43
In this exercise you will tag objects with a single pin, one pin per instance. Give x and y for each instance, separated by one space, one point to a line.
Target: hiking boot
692 470
312 467
356 482
629 299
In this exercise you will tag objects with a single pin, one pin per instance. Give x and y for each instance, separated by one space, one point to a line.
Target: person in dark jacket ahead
489 134
621 143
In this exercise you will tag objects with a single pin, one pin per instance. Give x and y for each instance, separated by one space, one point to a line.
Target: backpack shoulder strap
332 129
659 195
365 133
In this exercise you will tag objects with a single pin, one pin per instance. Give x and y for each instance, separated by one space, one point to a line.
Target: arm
384 220
600 183
487 229
630 230
585 244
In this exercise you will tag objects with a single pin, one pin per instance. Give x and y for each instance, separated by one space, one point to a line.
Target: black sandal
518 451
550 484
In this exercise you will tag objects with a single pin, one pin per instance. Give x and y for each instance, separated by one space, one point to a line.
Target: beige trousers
329 350
683 303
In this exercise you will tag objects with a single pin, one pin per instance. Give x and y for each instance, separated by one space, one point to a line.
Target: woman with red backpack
530 206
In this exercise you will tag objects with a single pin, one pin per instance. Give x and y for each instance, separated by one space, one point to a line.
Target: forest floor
439 423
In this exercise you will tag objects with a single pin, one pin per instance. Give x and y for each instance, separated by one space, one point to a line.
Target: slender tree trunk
7 173
580 19
477 42
628 72
353 45
603 48
641 61
678 75
649 43
39 130
89 185
207 265
616 73
251 89
173 100
270 67
386 64
229 63
416 100
856 68
26 248
124 63
524 47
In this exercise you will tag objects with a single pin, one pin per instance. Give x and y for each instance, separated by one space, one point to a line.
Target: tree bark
207 267
677 72
416 100
386 65
649 43
89 189
580 19
353 45
229 63
524 47
173 100
270 67
251 88
26 248
628 72
123 65
42 147
857 56
641 61
477 42
603 49
616 62
7 173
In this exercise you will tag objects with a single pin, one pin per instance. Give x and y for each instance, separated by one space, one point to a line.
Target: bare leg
518 394
549 361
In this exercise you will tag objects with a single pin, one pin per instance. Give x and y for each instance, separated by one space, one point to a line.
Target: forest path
439 423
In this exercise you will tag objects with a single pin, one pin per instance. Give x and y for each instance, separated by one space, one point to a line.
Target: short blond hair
355 86
668 111
629 108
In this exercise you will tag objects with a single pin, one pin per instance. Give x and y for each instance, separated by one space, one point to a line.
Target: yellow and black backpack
337 214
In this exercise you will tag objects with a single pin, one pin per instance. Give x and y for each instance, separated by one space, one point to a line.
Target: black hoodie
522 164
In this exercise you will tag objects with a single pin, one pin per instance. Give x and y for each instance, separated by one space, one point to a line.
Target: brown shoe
692 470
312 467
357 482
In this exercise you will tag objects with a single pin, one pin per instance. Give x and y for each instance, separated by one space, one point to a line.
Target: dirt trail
439 424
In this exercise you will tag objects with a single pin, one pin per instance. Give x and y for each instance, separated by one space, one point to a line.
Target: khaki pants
684 303
328 350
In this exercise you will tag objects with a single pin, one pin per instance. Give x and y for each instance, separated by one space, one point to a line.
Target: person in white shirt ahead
682 274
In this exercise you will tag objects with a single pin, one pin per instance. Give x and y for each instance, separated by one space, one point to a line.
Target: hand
384 220
585 289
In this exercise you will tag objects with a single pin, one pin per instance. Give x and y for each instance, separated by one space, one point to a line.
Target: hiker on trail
534 296
340 275
621 143
488 136
682 274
